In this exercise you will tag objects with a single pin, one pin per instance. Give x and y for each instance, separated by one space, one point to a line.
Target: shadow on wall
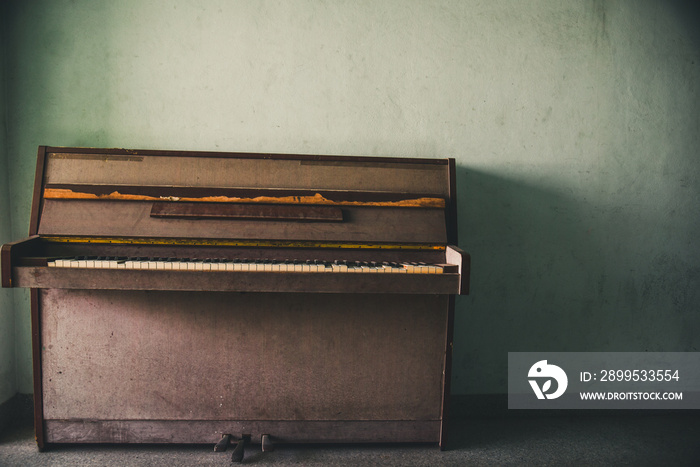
688 12
553 273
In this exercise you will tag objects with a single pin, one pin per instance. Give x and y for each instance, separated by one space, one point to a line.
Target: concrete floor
599 439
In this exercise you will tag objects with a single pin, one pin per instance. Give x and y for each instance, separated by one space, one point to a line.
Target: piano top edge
241 243
244 155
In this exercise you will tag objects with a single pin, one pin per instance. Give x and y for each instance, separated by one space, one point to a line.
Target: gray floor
600 439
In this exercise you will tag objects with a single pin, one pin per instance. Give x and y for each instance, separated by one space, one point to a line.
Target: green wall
8 377
575 125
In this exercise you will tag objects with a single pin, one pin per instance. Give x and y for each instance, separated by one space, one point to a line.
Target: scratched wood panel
210 431
133 219
112 355
196 171
234 281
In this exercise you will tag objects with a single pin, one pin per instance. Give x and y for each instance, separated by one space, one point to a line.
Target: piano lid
166 194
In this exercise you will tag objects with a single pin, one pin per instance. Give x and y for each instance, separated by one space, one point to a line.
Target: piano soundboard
236 298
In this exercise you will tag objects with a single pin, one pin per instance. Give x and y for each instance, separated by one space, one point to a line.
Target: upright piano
194 297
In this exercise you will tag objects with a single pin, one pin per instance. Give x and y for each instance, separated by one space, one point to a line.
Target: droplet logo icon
542 371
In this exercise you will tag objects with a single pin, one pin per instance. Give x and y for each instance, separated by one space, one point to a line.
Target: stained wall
575 126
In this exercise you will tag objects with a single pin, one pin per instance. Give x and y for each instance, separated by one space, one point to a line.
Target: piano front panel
113 355
242 281
132 219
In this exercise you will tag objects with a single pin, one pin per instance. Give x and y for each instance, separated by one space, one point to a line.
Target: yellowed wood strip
242 243
61 193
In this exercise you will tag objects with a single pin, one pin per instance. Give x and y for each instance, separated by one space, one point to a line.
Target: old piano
195 297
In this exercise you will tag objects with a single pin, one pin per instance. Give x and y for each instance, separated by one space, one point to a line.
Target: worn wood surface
35 301
451 206
447 378
12 253
210 431
132 218
111 355
123 153
250 171
235 281
39 179
268 212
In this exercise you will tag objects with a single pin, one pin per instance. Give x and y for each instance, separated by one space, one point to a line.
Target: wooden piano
190 297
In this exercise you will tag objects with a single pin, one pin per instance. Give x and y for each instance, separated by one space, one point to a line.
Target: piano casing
187 356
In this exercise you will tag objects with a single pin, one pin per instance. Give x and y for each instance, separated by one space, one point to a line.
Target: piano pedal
266 444
222 445
238 451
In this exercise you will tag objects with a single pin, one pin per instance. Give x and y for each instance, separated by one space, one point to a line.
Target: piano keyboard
193 264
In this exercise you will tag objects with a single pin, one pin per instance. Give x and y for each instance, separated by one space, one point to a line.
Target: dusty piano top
118 192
